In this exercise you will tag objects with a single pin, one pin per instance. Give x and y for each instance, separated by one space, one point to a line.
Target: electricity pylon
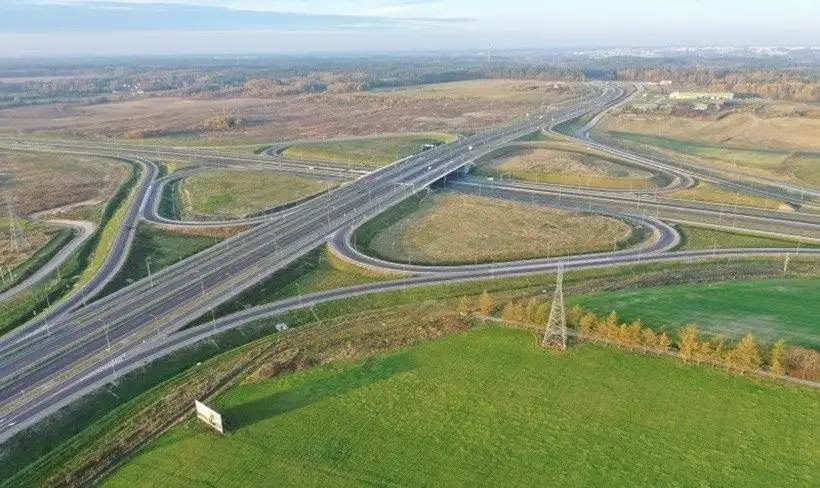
18 237
556 334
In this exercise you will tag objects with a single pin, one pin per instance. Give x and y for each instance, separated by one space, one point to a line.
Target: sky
115 27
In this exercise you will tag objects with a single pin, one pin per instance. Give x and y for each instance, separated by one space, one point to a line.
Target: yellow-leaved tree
745 356
485 303
778 358
689 342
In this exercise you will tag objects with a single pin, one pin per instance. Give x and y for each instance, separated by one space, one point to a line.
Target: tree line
689 343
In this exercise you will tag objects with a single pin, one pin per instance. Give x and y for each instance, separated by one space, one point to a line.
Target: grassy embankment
694 238
801 167
42 255
378 151
237 194
108 430
707 192
156 248
488 407
454 229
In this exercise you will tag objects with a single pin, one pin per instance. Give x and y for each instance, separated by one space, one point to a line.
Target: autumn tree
542 314
648 338
508 312
588 325
574 316
530 311
778 358
608 328
689 342
464 306
485 303
630 334
519 312
664 342
745 356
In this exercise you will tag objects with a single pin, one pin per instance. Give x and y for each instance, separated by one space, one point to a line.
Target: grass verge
39 258
156 248
694 238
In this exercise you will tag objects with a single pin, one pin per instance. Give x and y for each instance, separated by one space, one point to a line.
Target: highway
70 347
48 364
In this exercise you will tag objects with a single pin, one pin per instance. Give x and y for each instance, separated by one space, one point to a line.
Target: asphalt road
43 369
79 343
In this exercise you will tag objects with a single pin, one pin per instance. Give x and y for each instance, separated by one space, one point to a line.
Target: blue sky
105 27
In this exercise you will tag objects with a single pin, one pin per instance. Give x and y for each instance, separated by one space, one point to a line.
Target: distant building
665 82
702 106
702 96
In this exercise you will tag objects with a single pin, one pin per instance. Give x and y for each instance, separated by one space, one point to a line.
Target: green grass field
488 408
377 151
703 238
235 193
770 309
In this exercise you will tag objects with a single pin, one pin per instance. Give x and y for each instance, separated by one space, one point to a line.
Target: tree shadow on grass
372 371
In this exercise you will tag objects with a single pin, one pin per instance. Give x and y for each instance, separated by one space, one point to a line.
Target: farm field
565 167
703 238
707 192
771 309
449 229
489 408
445 107
44 181
378 151
236 193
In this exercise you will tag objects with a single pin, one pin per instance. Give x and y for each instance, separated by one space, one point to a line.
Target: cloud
145 15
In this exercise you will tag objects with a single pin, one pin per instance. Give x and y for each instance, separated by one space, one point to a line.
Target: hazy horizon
185 27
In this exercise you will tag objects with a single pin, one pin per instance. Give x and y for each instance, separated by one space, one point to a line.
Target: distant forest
25 84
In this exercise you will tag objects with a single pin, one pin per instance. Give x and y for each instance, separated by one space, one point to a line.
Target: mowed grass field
770 309
450 229
378 151
489 408
564 167
236 193
707 192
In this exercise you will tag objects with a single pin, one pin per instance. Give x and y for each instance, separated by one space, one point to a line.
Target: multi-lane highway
39 362
46 365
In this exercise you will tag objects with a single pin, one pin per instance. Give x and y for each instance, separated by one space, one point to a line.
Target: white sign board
208 416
